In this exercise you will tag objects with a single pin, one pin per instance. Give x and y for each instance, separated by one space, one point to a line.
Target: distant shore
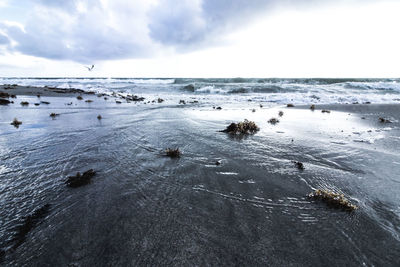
15 89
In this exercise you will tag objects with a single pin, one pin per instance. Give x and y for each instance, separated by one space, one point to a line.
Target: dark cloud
90 30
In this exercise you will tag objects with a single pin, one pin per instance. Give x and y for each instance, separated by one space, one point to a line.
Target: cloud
4 39
91 30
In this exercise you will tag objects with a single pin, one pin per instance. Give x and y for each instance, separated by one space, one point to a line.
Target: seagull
90 68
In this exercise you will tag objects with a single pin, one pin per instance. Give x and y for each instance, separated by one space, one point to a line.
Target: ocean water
145 209
279 91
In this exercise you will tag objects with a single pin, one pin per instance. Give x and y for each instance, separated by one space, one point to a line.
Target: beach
229 199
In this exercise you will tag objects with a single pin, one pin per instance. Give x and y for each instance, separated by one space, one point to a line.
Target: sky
200 38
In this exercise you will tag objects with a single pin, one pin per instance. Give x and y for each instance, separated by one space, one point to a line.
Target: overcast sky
200 38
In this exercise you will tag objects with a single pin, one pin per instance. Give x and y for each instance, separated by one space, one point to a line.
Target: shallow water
143 208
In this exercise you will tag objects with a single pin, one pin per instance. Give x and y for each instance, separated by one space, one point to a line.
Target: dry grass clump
16 123
80 179
173 153
244 127
273 121
333 199
290 105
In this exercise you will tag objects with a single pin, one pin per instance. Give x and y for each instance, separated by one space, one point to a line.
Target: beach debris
244 127
45 102
280 113
5 101
118 102
80 179
312 107
218 108
290 105
218 162
383 120
173 153
273 121
53 115
182 102
16 123
99 117
325 111
299 165
24 103
79 97
89 101
30 221
160 100
333 199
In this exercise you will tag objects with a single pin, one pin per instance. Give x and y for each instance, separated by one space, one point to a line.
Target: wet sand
42 91
143 208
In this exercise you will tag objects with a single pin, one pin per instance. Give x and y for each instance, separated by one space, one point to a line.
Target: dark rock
45 102
24 103
37 104
189 87
325 111
160 100
80 180
182 102
53 115
383 120
290 105
99 117
4 95
219 108
4 101
218 162
299 165
79 97
312 107
118 102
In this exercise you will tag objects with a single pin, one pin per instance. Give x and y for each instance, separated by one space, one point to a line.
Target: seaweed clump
29 223
244 127
80 179
280 113
79 97
325 111
89 101
333 199
24 103
173 153
16 123
273 121
53 115
290 105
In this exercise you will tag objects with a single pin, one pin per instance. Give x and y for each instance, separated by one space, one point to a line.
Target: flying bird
90 68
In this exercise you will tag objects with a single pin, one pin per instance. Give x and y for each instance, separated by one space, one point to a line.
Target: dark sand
143 208
43 91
